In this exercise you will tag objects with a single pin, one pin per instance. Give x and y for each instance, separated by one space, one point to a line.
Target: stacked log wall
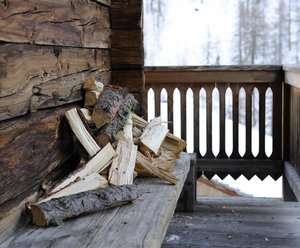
47 50
127 57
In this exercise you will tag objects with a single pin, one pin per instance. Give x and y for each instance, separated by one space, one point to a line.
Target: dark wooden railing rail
222 78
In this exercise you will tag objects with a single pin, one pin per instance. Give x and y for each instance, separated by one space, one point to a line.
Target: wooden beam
30 148
53 76
63 23
196 75
293 178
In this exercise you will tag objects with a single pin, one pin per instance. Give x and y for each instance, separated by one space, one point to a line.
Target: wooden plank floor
236 222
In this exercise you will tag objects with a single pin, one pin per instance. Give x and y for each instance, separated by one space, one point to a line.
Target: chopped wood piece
86 113
139 122
97 164
81 132
146 164
93 85
90 182
153 135
136 132
91 98
166 165
173 143
121 170
108 133
128 127
57 210
107 106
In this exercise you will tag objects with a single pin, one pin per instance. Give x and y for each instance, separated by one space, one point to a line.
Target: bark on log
108 133
108 105
55 211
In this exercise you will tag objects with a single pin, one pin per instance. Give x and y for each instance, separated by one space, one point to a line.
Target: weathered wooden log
107 106
153 135
81 132
108 133
55 211
31 147
75 23
121 170
55 78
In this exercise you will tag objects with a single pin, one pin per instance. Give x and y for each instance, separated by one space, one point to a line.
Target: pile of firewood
119 146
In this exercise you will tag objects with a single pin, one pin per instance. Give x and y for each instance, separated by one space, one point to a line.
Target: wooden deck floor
236 222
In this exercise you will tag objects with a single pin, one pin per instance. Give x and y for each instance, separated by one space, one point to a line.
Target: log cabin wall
47 50
291 118
127 57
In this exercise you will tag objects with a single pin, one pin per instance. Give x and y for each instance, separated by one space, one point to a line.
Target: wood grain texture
64 23
127 58
131 79
150 215
294 127
30 148
236 222
127 55
126 38
193 77
53 76
293 179
57 210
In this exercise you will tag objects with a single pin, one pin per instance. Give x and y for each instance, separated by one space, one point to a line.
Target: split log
108 105
93 89
81 132
86 113
145 164
108 133
139 122
128 126
92 84
91 98
171 143
121 170
153 135
90 182
174 144
57 210
97 164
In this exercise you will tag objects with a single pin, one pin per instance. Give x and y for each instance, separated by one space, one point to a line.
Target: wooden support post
291 183
187 199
